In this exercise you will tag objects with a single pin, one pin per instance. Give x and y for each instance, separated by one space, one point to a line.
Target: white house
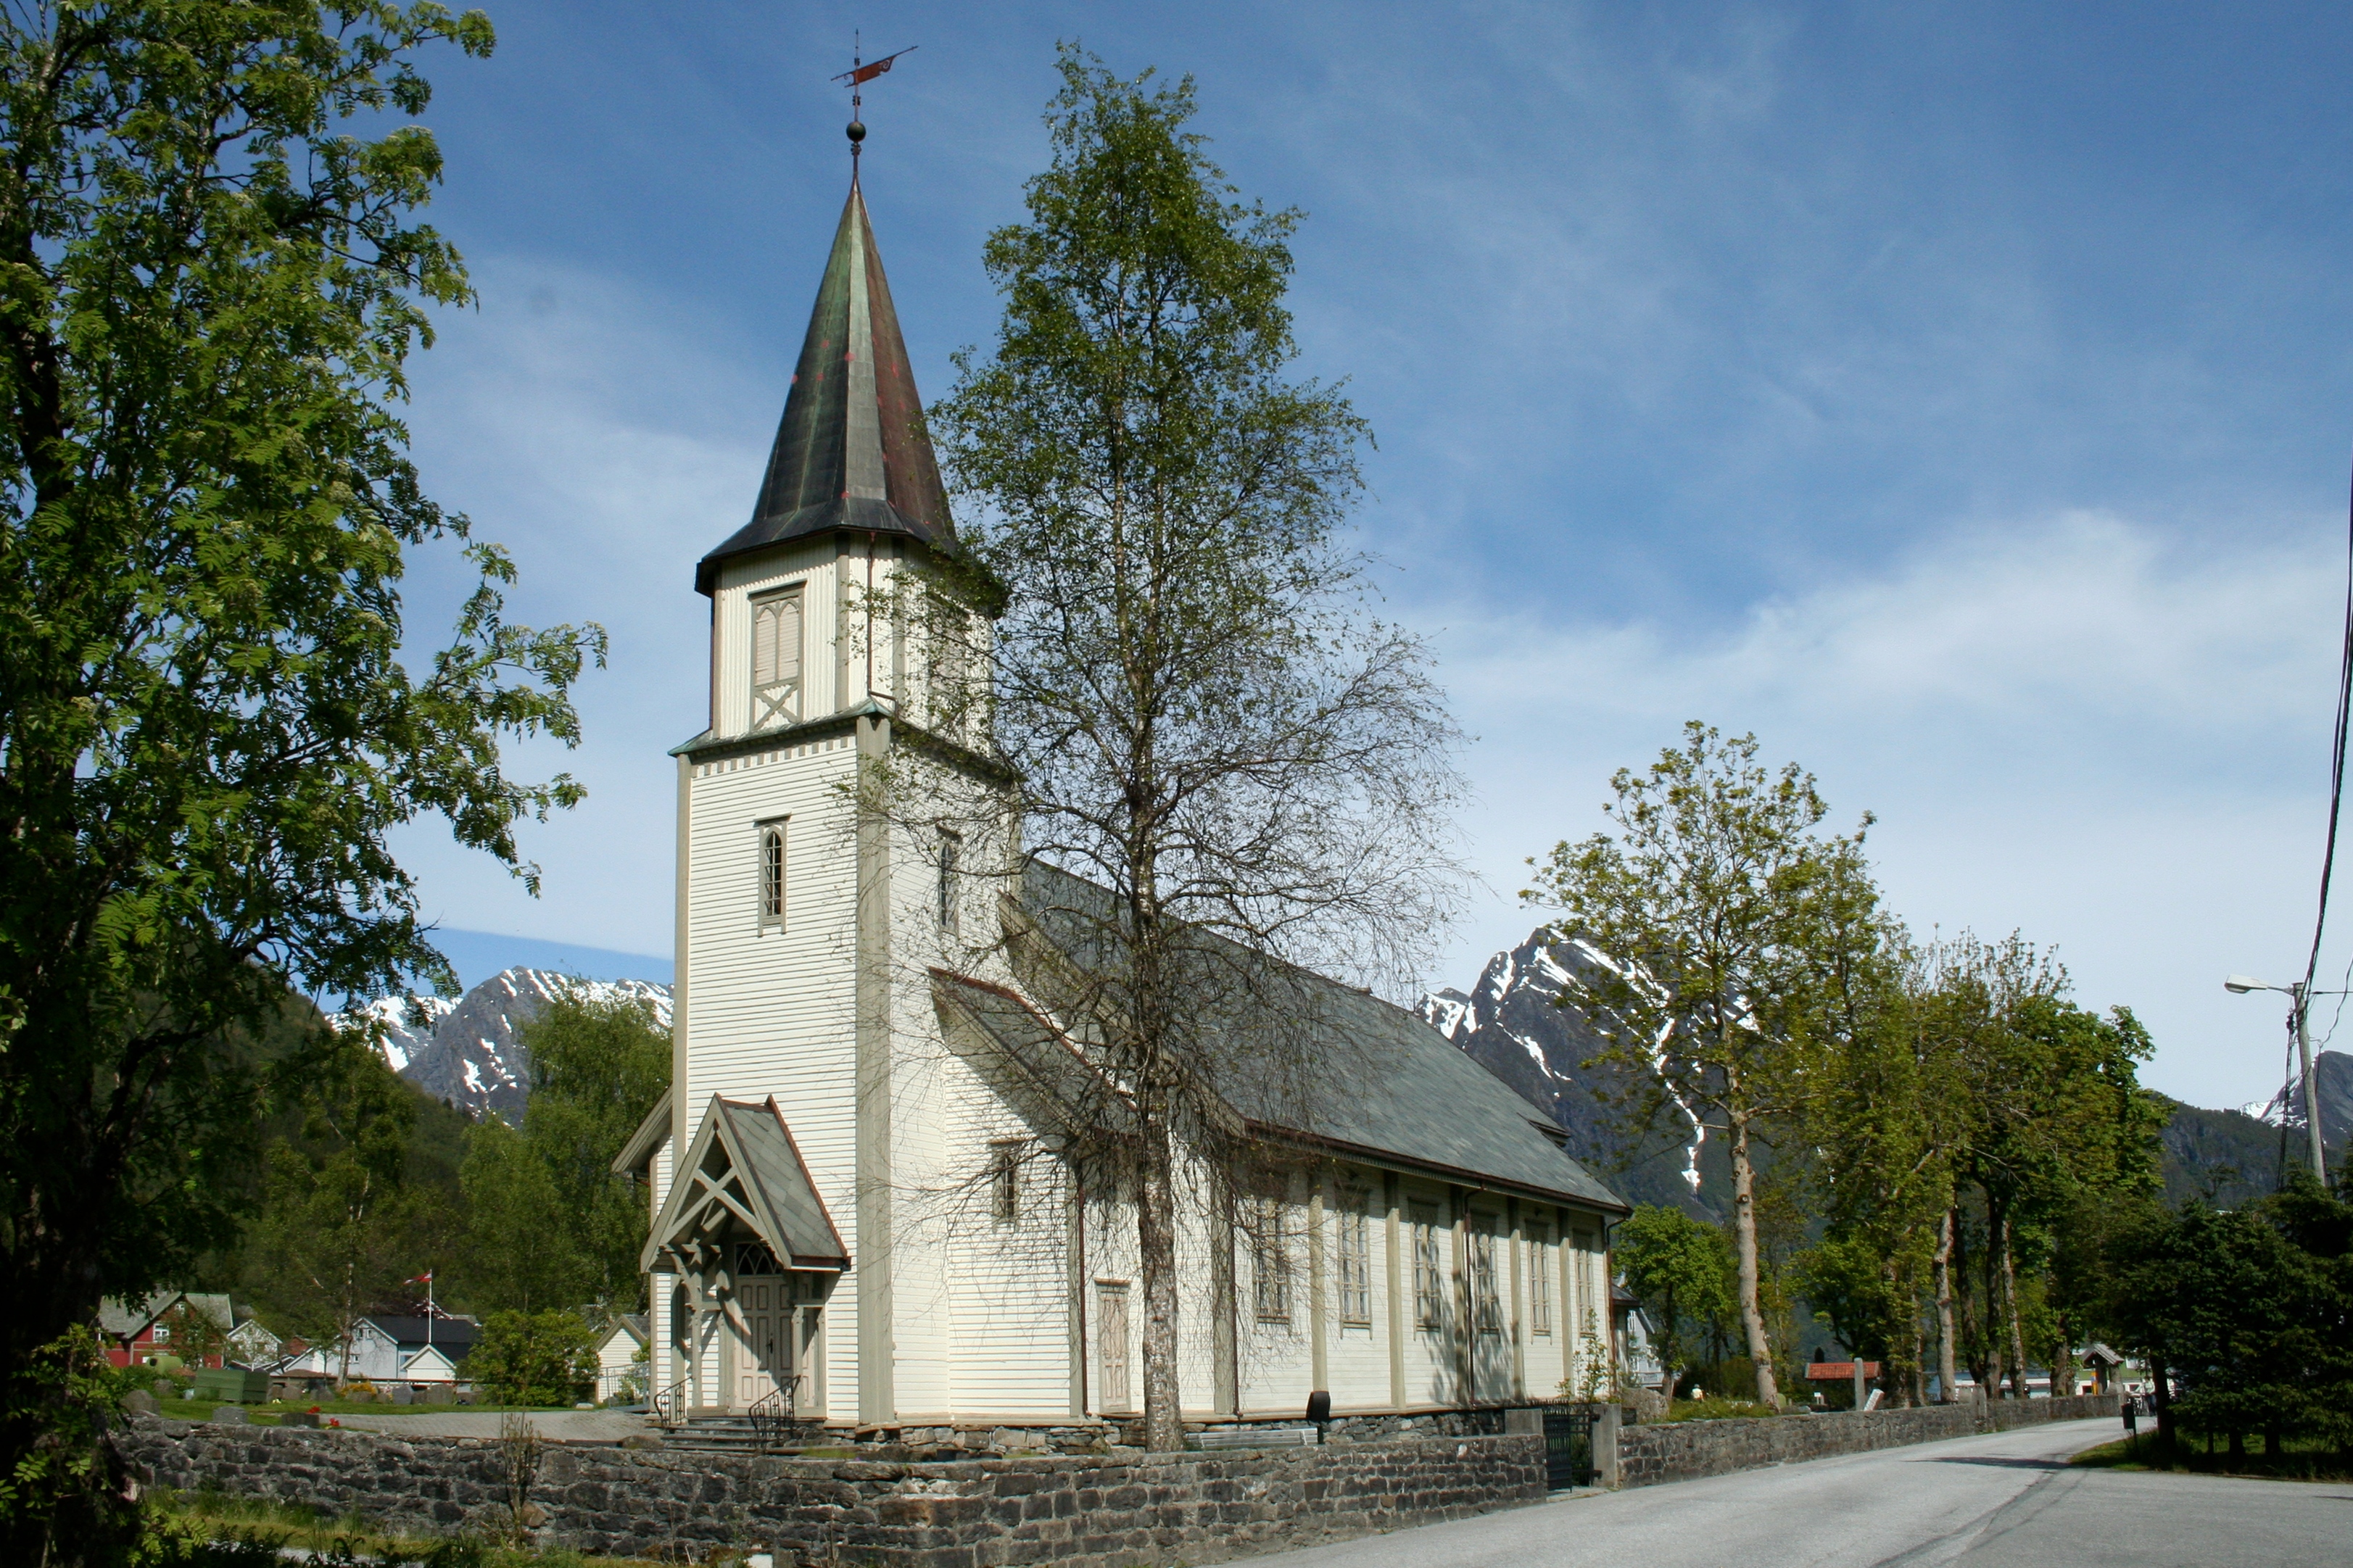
251 1343
862 1208
620 1371
395 1349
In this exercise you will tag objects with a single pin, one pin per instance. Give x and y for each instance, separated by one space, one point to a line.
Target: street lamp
2298 1003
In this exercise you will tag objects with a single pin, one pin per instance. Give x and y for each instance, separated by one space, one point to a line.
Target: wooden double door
765 1345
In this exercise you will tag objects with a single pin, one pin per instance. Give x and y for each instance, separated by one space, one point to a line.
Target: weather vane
856 75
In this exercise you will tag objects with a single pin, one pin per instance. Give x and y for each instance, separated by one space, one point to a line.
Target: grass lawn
1715 1410
2306 1459
268 1414
250 1530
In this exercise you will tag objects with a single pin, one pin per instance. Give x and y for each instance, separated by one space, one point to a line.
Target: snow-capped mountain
1513 1024
2332 1073
468 1051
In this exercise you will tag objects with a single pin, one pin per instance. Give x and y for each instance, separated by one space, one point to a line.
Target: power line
2337 761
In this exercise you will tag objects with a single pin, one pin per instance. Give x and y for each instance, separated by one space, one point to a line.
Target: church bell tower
800 905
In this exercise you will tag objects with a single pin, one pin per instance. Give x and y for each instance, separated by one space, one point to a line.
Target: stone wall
1649 1454
1093 1512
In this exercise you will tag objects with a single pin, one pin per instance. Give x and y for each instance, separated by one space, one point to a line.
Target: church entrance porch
773 1340
755 1256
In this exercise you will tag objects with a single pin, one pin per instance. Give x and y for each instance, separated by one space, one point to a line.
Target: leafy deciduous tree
1734 918
1683 1272
209 283
549 1223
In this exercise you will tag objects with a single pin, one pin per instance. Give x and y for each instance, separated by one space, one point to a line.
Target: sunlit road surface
2005 1501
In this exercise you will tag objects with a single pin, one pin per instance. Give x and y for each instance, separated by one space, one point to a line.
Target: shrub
534 1358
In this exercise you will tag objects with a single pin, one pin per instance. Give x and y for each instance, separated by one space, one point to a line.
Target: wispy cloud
2076 726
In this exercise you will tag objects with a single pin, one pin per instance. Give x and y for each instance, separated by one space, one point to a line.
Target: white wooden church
858 1215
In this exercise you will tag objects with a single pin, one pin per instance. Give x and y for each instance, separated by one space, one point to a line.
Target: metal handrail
669 1404
772 1412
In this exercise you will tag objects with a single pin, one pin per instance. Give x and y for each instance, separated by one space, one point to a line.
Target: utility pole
2311 1083
2300 1002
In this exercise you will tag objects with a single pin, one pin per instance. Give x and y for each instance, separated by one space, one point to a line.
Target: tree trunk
1997 1349
2162 1387
1743 1232
2062 1365
1155 1246
1948 1388
2009 1308
1917 1395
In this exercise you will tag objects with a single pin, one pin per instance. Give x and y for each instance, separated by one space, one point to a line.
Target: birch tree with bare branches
1200 720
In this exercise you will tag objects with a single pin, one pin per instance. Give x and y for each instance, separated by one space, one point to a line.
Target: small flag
424 1278
868 73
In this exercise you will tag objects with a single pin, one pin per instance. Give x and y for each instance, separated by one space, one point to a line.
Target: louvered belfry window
776 660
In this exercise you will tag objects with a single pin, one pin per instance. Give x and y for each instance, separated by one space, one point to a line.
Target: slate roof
127 1320
1397 1091
773 1166
455 1335
851 451
759 1160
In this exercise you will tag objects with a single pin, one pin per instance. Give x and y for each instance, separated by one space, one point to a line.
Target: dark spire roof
851 451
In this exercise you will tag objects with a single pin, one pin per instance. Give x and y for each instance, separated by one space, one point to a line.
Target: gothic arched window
772 874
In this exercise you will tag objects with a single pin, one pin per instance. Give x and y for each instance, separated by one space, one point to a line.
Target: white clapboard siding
810 566
1008 1300
1357 1355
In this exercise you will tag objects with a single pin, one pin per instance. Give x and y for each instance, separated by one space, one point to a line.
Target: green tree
1683 1272
210 279
1851 1285
1734 919
1194 709
2044 1120
549 1223
339 1227
534 1358
2205 1296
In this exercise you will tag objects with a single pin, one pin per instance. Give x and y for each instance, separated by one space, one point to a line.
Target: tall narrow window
1429 1275
772 874
951 870
1270 1260
1355 1259
1005 1181
1486 1303
1540 1277
952 696
776 659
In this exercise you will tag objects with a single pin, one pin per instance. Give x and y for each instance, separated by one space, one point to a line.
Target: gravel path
556 1425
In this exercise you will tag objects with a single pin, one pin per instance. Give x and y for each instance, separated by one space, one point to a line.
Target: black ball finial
857 131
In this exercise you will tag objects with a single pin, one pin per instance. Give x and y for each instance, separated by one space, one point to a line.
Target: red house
139 1332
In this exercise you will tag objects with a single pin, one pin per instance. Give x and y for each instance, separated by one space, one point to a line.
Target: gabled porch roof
743 1165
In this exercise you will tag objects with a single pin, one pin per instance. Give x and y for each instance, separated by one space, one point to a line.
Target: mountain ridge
1513 1021
468 1051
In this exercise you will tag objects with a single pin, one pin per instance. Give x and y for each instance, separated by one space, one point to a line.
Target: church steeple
851 452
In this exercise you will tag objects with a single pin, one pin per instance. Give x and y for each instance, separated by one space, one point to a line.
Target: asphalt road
2005 1501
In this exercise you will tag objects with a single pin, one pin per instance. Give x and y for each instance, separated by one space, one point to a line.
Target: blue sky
1959 397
